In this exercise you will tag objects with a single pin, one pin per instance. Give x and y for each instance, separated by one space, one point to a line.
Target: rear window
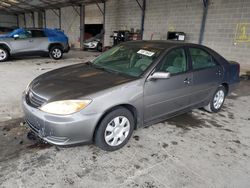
37 33
201 59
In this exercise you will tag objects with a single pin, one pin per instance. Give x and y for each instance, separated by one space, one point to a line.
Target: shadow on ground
14 141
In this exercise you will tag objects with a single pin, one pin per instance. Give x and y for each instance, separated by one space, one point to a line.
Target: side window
37 33
25 34
201 59
175 62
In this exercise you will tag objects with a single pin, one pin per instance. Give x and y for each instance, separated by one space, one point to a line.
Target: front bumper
61 130
88 46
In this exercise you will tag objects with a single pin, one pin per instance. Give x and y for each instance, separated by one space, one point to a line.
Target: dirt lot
197 149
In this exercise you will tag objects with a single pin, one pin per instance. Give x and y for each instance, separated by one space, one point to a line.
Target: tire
4 54
99 47
114 130
56 52
217 100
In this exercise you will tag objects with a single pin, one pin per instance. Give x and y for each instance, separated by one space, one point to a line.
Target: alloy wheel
57 53
3 54
218 99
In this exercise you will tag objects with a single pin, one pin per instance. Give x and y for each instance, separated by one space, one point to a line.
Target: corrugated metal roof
22 6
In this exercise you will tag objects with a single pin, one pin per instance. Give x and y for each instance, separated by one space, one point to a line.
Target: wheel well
5 47
225 85
129 107
55 44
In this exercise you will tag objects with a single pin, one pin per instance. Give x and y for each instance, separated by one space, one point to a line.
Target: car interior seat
179 65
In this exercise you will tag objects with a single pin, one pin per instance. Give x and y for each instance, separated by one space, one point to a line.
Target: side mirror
159 75
16 36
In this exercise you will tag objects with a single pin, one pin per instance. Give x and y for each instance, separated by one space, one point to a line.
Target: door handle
187 81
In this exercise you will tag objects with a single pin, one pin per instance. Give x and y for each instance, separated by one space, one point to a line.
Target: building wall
121 15
186 15
93 15
221 27
7 20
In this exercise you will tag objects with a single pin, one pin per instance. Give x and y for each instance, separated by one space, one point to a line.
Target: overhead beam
102 11
76 10
31 8
15 5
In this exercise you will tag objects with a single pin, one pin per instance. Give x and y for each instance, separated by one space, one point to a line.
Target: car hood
74 82
3 36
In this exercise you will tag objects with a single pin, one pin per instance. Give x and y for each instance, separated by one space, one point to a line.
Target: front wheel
56 52
217 100
115 130
4 55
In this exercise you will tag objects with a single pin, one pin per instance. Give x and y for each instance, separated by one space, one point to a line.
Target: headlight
93 44
27 88
65 107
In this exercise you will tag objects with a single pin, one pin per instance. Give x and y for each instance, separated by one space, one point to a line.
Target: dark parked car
131 85
33 41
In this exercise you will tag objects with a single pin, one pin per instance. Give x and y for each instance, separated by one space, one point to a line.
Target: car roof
162 43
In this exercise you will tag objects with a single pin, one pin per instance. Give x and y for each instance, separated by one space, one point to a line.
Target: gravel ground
197 149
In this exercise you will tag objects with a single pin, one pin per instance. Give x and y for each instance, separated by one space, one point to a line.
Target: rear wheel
217 100
99 47
56 52
115 130
4 54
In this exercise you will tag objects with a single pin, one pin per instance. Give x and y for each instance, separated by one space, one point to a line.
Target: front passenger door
22 43
166 96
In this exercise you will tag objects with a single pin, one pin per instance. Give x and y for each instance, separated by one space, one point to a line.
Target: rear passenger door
207 75
40 40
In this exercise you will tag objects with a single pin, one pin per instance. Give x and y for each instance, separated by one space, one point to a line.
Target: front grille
34 100
33 127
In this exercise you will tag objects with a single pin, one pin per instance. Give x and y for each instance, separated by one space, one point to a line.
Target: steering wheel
142 67
133 60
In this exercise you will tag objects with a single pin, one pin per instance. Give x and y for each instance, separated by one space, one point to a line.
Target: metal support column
103 16
40 19
203 21
104 13
82 25
33 18
24 20
17 20
143 9
60 18
44 18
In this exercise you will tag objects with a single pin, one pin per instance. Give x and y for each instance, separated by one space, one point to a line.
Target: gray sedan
132 85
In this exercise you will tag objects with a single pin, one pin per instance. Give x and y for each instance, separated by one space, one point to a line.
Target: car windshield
96 37
16 31
130 59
